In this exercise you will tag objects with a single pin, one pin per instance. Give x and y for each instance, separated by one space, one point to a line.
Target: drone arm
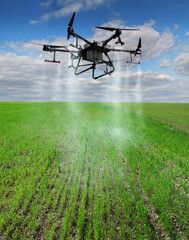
109 39
132 52
78 36
70 51
121 50
135 52
55 50
59 50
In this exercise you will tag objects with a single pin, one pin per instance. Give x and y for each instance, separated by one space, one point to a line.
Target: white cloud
150 23
67 7
181 64
24 78
46 4
29 78
46 17
165 63
155 44
187 33
33 22
176 26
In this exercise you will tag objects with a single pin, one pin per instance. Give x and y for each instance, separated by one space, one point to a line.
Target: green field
94 171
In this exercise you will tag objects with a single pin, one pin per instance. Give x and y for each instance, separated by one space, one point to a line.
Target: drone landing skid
106 72
52 61
93 67
131 62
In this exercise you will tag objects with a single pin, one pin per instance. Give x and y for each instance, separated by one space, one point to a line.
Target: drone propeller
114 29
54 46
47 45
139 44
107 28
71 21
70 25
138 49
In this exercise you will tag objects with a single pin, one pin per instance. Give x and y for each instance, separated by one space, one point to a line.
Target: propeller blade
130 29
68 34
113 29
35 43
71 21
107 28
70 26
55 46
139 44
46 45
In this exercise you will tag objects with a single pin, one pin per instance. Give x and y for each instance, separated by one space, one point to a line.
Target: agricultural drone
94 52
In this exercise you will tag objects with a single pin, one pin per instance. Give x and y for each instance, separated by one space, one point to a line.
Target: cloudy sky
162 76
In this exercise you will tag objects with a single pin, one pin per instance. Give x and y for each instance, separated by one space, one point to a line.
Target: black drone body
95 53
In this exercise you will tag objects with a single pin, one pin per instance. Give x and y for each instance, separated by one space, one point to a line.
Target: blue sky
164 72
